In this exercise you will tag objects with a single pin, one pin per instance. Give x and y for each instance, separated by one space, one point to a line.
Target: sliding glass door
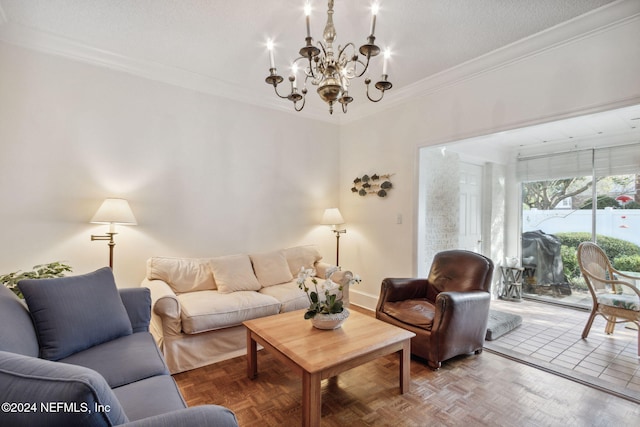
571 197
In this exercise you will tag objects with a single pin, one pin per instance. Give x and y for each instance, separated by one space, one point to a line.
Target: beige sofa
199 304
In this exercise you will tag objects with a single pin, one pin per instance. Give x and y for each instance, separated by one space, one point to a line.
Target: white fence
619 223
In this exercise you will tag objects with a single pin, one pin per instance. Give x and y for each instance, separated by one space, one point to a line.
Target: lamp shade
114 211
332 216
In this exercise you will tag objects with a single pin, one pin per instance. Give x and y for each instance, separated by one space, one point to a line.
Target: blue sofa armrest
137 302
197 416
37 392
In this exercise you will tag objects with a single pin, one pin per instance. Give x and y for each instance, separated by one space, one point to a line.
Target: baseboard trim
362 299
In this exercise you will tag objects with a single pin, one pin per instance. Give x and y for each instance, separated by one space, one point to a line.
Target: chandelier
331 72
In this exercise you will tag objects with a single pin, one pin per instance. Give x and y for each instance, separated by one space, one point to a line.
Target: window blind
555 166
619 160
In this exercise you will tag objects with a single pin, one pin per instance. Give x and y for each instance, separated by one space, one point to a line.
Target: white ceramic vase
330 321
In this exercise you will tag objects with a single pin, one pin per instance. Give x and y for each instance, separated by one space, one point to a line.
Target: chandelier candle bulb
307 12
387 54
270 49
374 12
294 76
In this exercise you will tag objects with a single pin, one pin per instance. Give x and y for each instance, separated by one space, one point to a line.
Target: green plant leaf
337 307
41 271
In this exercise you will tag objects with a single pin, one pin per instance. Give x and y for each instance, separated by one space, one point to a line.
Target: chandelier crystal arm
364 70
304 99
353 59
275 88
310 72
382 86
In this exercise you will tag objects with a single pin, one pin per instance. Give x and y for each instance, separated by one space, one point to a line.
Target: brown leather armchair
448 311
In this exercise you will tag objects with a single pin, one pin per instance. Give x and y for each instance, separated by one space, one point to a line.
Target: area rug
500 323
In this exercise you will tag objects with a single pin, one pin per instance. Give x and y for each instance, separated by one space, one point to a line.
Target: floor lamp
333 218
112 212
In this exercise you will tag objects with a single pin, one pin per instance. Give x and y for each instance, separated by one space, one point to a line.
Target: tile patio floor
550 336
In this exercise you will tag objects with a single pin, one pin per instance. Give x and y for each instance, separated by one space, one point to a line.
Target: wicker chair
606 289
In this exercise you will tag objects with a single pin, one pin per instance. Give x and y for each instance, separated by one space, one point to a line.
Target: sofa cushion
417 312
301 256
182 274
65 325
137 404
271 268
17 334
289 294
124 360
34 381
628 302
196 416
234 273
208 310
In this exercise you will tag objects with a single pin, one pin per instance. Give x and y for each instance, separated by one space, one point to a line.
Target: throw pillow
182 274
74 313
234 273
302 256
271 268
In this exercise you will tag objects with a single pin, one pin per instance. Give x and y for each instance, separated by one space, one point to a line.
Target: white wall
593 73
205 176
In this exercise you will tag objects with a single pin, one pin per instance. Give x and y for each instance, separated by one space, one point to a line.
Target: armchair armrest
197 416
461 314
137 302
338 276
400 289
629 285
615 284
618 273
324 268
165 314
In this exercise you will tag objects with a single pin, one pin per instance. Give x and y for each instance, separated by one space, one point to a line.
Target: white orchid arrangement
324 297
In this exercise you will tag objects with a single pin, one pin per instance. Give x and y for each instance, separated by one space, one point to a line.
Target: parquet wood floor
472 390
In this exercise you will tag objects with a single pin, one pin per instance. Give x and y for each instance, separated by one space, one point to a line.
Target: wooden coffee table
319 354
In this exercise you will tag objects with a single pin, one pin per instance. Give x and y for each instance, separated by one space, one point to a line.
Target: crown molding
47 43
584 26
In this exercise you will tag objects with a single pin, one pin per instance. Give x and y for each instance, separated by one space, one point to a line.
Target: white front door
470 233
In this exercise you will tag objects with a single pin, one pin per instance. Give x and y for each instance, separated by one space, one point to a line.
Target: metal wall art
372 184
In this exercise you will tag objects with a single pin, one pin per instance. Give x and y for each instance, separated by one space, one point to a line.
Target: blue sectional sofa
78 352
